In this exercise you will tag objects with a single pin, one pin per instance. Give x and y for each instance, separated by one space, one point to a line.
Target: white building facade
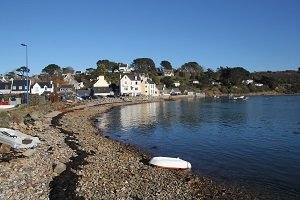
130 85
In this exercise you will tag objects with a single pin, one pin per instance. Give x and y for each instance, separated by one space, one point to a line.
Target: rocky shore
74 161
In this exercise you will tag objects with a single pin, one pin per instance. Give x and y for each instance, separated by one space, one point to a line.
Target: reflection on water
142 115
249 142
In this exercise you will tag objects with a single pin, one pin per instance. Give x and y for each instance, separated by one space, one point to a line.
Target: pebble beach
74 161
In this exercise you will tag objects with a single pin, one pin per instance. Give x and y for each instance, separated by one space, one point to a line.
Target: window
20 87
136 89
14 87
136 82
6 87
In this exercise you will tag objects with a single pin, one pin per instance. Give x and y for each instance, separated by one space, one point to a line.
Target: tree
109 65
101 70
166 65
168 81
207 77
210 73
192 67
22 70
89 70
269 81
233 76
10 75
224 75
144 65
66 70
52 69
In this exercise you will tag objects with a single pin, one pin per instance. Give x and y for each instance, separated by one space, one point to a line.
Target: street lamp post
27 97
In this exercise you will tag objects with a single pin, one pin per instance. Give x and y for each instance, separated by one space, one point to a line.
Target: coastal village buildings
70 80
148 87
177 84
162 90
130 85
175 91
101 87
168 72
125 69
135 85
5 87
42 87
66 89
20 86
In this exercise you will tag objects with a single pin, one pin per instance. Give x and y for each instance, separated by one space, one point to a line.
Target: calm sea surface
253 143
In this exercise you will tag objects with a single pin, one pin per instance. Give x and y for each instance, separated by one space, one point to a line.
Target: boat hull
7 106
170 163
16 139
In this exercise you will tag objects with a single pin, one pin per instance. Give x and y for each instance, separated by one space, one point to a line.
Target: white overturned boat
171 163
6 106
16 139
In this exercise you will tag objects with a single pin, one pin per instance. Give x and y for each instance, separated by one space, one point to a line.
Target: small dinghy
16 139
170 163
3 107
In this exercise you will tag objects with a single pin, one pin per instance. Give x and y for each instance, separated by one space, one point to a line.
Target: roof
102 89
134 77
175 90
20 82
150 81
43 84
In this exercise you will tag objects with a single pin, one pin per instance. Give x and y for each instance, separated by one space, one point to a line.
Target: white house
101 82
125 68
130 85
41 87
176 84
249 81
168 72
101 87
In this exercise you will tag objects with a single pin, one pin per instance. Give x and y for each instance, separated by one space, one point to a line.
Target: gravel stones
4 148
59 168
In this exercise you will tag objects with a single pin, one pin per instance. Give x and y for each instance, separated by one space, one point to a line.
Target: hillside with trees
190 75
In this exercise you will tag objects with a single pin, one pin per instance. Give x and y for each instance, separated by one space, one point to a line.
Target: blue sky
258 35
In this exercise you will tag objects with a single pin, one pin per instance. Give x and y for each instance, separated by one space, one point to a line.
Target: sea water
253 143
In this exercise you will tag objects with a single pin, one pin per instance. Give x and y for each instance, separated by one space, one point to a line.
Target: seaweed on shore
64 185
